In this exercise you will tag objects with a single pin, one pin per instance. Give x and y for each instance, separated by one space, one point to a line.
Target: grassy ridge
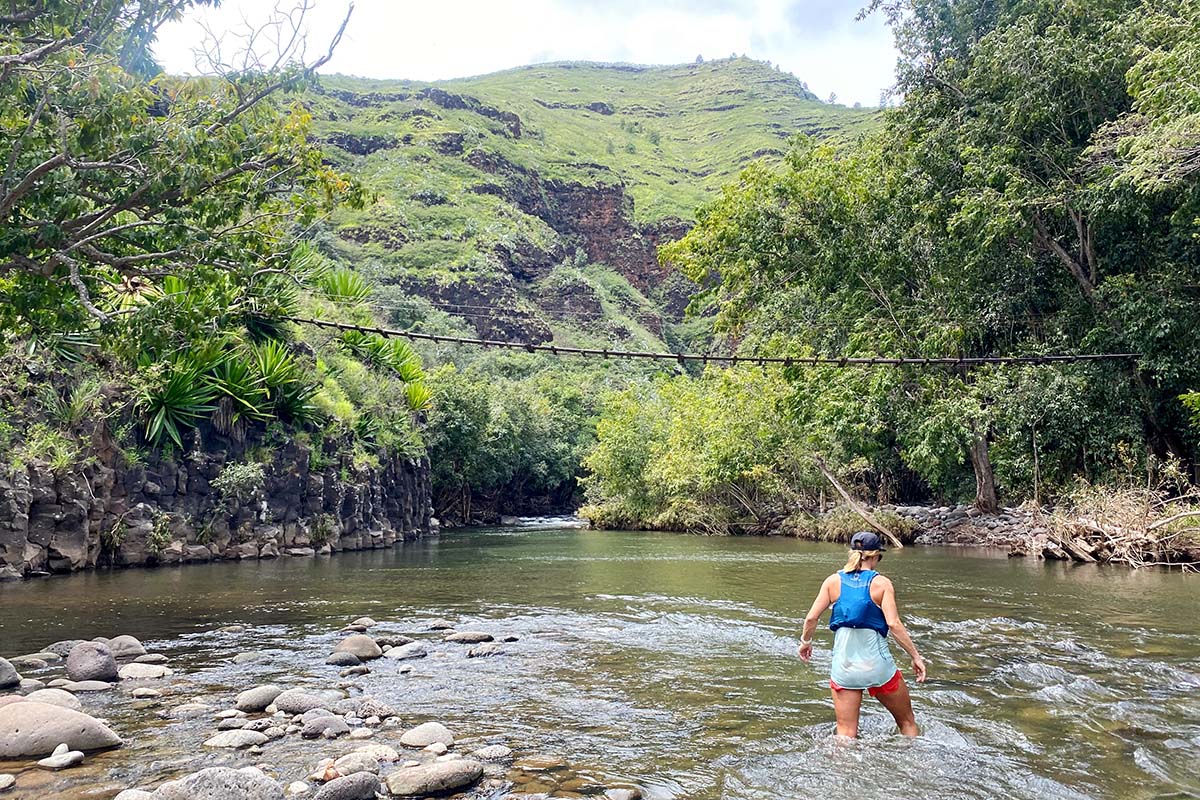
464 171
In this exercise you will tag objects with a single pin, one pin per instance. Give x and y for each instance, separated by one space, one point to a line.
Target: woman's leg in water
846 705
900 705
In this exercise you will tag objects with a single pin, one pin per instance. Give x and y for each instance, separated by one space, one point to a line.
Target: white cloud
815 39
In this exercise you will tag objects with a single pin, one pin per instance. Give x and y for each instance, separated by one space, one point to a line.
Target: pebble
366 622
229 712
144 692
361 733
136 671
440 625
61 758
32 684
232 629
343 659
297 788
485 650
258 698
361 669
469 637
437 748
7 782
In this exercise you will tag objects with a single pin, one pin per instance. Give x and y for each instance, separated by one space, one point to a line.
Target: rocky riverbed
107 719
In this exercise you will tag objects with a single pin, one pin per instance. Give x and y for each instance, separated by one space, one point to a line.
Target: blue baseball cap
866 540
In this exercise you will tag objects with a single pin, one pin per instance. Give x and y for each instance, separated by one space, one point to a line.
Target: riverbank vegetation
1036 192
153 247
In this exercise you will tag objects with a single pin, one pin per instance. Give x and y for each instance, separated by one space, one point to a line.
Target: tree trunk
985 482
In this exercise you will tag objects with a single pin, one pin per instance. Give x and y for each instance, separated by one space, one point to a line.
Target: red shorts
892 685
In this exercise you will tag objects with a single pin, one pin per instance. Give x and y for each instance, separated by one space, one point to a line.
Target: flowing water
669 661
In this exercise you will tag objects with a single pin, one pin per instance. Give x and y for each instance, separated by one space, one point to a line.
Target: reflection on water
669 660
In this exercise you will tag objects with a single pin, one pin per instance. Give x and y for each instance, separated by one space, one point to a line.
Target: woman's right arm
823 601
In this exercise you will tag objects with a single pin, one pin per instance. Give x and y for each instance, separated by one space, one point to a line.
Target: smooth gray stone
35 729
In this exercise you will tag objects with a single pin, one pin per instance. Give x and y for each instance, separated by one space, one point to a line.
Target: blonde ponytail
854 562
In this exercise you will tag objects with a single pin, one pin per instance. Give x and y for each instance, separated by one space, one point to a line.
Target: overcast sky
818 40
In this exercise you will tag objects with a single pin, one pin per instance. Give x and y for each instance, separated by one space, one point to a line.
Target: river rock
91 661
252 657
359 645
357 761
434 778
469 637
366 622
623 794
55 697
145 693
136 671
258 698
343 660
11 698
61 758
493 752
485 650
393 641
232 723
297 789
151 658
34 729
64 647
427 734
222 783
297 701
380 752
330 727
358 786
440 625
85 686
371 707
126 646
407 651
236 739
353 672
8 674
31 684
437 748
28 662
135 794
7 782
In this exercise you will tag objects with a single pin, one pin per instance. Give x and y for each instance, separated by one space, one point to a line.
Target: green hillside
529 203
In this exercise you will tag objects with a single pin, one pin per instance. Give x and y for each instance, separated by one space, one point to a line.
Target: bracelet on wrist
804 641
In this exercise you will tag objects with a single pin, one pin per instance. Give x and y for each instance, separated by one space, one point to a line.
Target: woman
864 612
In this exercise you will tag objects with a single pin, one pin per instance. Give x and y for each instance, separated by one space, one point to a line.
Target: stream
663 660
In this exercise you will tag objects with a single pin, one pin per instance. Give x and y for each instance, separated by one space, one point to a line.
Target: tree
116 175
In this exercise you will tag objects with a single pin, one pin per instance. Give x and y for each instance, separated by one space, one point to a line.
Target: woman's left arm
896 627
819 605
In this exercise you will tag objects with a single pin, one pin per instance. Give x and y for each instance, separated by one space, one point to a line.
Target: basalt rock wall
168 510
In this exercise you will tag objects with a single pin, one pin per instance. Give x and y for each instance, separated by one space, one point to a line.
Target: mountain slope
529 203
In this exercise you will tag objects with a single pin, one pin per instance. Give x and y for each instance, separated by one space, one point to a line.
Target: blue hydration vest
861 658
854 607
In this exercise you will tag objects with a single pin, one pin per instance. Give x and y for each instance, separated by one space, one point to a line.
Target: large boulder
427 734
8 675
125 646
222 783
91 661
258 698
359 645
357 786
32 729
440 776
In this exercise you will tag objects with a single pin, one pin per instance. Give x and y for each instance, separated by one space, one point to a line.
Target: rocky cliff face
171 511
